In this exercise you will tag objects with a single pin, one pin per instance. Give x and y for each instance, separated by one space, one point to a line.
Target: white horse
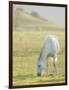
49 49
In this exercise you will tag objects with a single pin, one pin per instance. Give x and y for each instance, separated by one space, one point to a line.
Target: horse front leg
46 67
54 65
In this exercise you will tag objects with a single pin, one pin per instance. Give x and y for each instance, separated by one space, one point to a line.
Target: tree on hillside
35 14
19 9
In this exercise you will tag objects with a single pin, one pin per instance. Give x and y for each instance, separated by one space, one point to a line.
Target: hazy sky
52 14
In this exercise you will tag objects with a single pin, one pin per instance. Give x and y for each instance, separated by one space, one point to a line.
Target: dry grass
26 49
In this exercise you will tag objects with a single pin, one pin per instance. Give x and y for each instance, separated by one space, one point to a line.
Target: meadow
26 50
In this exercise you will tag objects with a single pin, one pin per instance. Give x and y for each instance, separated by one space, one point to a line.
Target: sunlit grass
26 49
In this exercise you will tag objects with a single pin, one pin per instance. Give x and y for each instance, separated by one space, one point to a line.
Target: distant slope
25 21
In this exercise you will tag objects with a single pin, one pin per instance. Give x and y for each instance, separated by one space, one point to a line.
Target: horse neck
43 56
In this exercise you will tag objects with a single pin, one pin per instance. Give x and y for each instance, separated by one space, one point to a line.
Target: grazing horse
49 49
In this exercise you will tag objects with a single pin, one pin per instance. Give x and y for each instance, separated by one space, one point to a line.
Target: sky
52 14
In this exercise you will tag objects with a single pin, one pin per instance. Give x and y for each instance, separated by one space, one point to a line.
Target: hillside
25 21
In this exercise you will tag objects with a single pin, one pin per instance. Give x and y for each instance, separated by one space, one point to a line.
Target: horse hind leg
51 66
54 65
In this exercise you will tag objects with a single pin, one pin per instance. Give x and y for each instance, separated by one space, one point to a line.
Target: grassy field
26 49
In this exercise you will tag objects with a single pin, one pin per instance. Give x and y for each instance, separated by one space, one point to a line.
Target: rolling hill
25 21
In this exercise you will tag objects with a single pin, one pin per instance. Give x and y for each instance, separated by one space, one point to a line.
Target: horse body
49 49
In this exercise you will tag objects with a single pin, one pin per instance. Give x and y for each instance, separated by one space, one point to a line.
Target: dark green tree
19 9
35 14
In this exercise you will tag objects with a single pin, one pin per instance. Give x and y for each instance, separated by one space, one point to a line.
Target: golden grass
26 49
